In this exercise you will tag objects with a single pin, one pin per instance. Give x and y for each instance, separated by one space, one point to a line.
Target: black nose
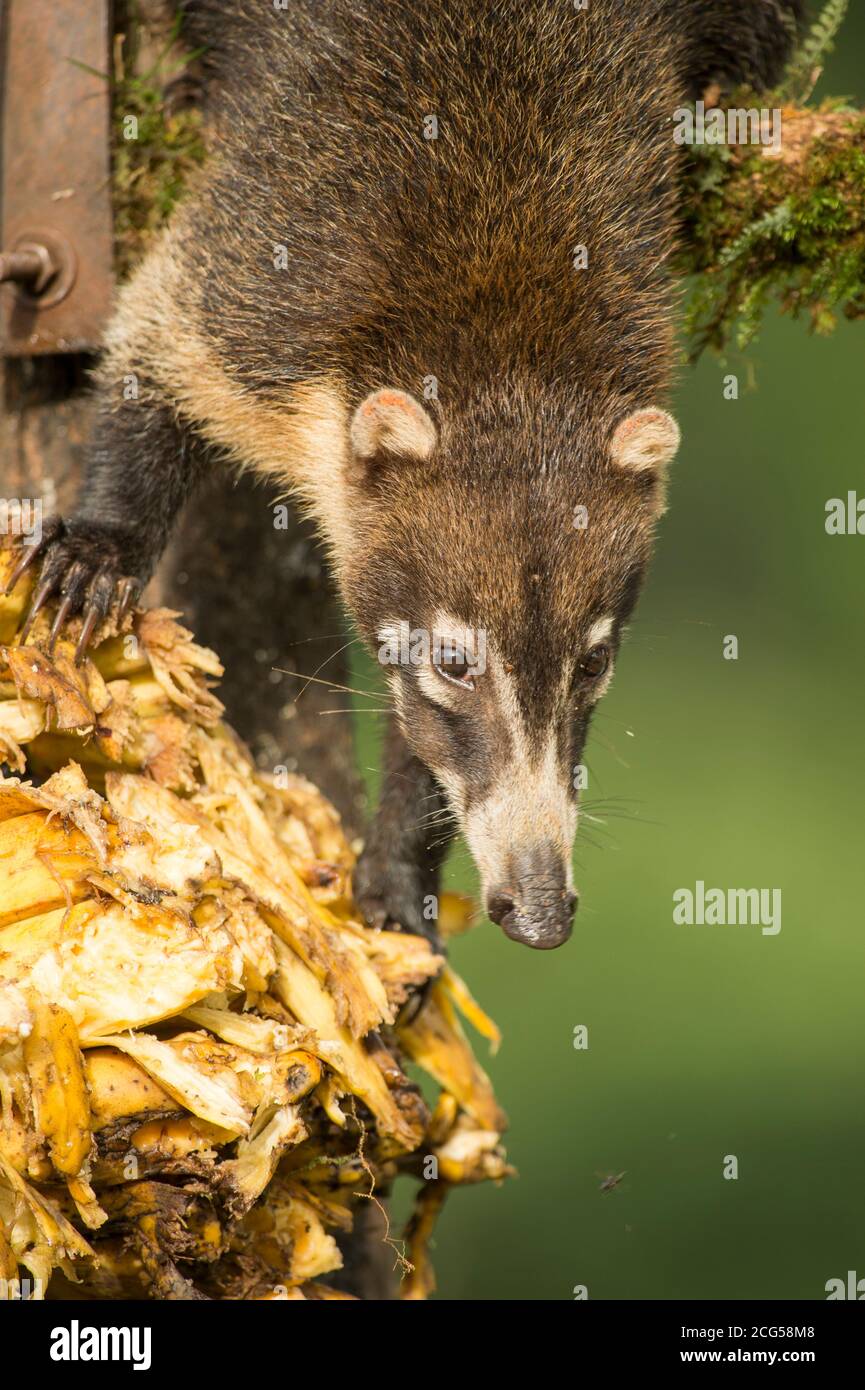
535 907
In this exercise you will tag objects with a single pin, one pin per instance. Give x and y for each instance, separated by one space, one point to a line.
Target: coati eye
454 666
595 663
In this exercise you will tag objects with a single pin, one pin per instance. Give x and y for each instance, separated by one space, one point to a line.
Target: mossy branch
781 225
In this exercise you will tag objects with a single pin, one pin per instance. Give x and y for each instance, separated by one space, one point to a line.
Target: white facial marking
395 686
436 689
599 632
454 789
531 794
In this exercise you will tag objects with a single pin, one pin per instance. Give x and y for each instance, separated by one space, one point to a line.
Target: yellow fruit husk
202 1048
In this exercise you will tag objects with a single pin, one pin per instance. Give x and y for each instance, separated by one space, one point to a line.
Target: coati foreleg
142 467
396 881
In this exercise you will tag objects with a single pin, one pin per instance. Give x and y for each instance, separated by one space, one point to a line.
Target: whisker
434 844
403 776
610 749
334 685
439 813
350 709
322 637
332 657
436 825
610 719
458 858
611 801
589 839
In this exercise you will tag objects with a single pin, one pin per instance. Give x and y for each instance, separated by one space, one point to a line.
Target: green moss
156 147
788 230
156 143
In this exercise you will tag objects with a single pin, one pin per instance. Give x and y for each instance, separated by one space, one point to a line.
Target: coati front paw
391 897
86 568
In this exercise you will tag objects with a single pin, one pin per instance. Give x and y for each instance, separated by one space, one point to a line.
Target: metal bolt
30 264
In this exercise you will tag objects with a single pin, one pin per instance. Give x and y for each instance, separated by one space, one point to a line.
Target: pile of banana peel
203 1051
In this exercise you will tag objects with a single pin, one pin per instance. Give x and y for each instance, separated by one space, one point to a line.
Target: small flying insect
611 1181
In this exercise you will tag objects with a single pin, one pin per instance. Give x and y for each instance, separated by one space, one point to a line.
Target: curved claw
105 592
40 598
375 917
50 531
30 556
128 594
415 1003
91 617
60 617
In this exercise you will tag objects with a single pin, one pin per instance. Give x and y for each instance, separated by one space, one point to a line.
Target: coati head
493 563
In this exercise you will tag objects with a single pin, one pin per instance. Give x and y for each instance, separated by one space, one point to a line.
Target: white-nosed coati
334 258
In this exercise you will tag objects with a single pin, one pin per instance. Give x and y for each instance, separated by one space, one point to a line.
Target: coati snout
493 594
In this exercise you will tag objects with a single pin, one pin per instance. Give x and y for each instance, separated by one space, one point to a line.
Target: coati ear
645 442
391 423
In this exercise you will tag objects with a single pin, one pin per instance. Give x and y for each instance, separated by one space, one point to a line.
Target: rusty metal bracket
56 245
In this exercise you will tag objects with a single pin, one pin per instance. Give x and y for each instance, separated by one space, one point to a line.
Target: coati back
471 202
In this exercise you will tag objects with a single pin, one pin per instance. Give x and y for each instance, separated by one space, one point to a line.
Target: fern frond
808 60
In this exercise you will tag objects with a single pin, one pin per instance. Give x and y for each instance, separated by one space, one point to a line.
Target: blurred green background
704 1041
